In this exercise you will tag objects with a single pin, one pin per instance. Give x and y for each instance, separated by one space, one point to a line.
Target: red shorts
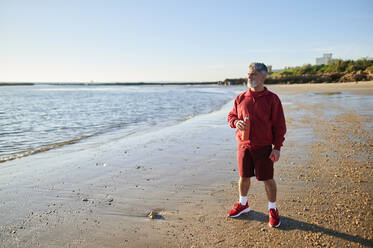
255 162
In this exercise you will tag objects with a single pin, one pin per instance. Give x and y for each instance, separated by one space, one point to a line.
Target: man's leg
271 189
244 185
242 206
245 170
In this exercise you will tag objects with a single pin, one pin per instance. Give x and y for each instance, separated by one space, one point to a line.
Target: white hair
260 67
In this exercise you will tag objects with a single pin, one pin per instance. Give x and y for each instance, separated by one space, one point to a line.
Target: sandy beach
173 187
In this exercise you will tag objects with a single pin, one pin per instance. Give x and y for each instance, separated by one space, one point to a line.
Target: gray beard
253 83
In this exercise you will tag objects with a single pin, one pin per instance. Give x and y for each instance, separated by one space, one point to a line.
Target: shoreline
94 194
217 83
110 84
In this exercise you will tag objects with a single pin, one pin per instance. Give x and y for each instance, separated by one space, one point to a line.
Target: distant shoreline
111 84
227 82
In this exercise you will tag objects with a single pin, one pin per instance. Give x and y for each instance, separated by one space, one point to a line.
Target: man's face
255 78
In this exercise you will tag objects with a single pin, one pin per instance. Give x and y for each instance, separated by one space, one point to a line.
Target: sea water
41 117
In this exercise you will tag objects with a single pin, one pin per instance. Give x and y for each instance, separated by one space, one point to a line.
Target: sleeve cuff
277 147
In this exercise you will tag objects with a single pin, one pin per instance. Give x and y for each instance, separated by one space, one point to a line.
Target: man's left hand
275 154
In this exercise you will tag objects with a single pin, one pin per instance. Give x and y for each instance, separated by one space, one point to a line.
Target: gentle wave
43 149
76 140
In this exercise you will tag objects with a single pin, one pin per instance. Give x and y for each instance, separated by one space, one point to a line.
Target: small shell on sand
155 215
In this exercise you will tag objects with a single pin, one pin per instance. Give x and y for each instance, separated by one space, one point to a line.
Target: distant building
324 59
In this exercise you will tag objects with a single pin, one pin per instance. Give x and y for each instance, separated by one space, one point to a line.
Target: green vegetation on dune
335 71
336 65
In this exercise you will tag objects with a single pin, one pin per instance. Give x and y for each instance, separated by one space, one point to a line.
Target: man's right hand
241 125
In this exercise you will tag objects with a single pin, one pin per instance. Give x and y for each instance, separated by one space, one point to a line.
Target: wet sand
99 193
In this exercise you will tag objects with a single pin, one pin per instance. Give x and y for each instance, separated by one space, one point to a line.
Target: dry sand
363 88
96 195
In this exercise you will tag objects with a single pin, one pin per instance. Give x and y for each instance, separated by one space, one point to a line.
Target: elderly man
259 120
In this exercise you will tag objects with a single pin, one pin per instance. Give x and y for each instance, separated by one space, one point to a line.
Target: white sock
271 205
243 200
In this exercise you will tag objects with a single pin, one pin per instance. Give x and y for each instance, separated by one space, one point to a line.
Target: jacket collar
257 94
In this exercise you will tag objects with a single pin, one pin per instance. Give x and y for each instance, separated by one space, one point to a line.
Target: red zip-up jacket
267 120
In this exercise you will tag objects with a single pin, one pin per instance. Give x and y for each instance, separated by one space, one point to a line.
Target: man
259 120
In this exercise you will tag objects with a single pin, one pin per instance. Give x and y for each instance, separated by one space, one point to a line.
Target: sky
173 40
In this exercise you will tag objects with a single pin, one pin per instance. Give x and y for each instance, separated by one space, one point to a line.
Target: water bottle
245 134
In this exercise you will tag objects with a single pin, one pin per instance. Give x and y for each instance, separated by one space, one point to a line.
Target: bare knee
245 179
269 182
